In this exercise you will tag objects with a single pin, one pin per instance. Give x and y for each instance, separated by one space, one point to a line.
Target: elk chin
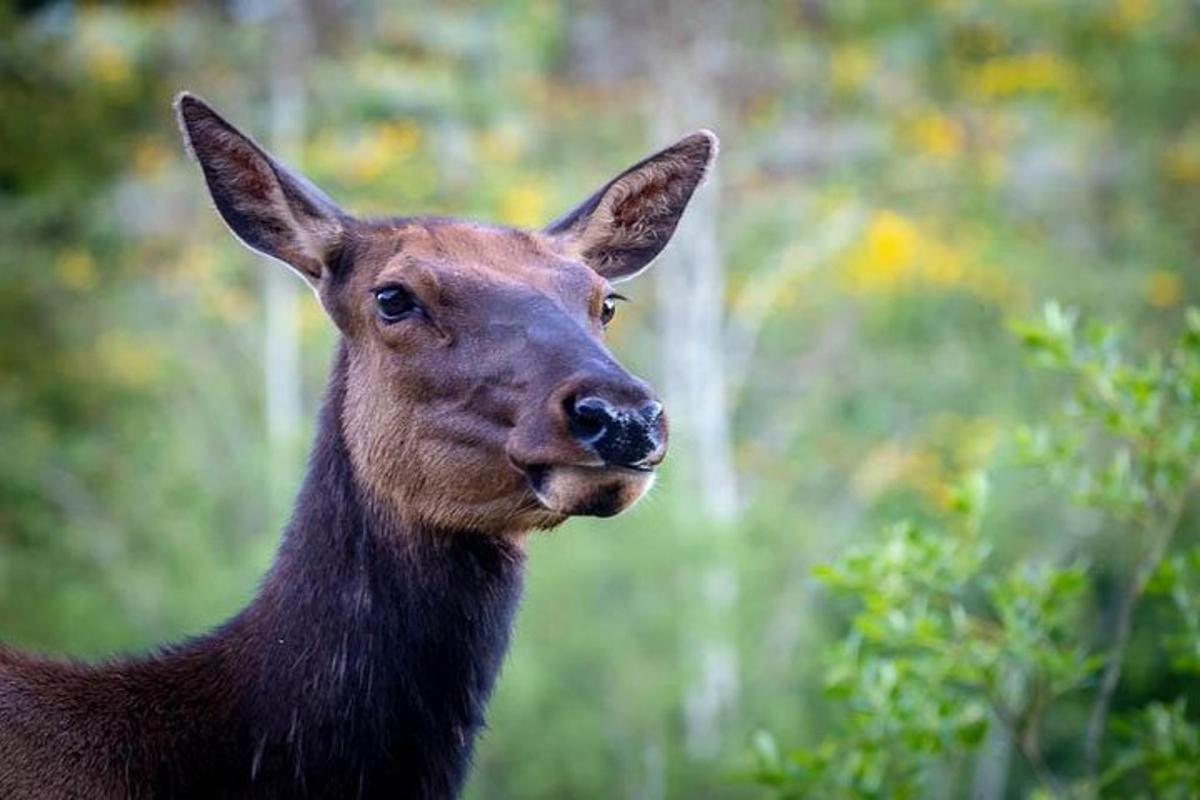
588 491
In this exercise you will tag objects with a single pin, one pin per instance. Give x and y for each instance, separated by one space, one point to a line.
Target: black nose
622 435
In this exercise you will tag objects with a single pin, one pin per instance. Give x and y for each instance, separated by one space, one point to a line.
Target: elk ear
621 228
270 208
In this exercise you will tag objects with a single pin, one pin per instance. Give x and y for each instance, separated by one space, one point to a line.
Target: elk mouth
602 490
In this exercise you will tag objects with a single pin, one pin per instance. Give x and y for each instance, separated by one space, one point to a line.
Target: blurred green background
898 179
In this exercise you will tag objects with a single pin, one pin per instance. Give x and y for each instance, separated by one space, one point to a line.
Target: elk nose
628 436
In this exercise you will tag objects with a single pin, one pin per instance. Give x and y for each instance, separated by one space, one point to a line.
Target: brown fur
434 409
363 666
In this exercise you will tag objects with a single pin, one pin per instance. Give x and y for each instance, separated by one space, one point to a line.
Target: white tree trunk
691 291
686 56
290 49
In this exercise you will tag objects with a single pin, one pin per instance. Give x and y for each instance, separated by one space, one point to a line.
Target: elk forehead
467 268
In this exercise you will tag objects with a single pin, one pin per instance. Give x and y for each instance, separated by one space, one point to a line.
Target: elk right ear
620 229
271 209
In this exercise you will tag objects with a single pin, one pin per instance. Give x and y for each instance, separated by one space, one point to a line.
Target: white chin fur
592 491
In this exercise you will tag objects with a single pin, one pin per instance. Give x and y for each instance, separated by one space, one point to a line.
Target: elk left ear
272 209
621 228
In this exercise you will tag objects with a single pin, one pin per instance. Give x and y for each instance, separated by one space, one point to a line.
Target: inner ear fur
620 229
272 209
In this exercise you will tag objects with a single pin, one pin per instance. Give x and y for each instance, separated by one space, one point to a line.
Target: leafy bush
951 653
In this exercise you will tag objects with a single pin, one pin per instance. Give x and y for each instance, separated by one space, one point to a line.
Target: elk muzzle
606 440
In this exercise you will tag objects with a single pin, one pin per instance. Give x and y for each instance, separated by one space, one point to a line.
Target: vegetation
951 648
898 180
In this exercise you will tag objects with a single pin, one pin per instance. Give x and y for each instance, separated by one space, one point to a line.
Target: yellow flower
1130 15
366 160
932 464
895 465
401 139
994 167
1163 289
892 242
499 146
196 264
966 442
886 254
1007 76
880 470
228 303
1183 163
524 205
895 254
130 362
850 66
149 158
76 269
943 266
892 239
380 148
107 63
938 135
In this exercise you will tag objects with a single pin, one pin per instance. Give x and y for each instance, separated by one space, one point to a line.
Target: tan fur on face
433 406
432 467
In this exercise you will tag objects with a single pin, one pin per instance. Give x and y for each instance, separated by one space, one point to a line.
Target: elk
471 402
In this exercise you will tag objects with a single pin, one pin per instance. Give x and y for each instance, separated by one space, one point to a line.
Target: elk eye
609 309
394 303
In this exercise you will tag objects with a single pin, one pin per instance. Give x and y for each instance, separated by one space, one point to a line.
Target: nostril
589 418
593 407
651 412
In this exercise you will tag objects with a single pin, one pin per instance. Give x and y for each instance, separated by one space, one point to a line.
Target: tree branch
1098 719
1025 738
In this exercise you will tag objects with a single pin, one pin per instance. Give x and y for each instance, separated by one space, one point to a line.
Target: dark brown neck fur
362 669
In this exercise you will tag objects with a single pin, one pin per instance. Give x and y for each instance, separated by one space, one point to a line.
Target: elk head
479 394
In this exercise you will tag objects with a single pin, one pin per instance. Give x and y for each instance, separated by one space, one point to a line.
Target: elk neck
373 642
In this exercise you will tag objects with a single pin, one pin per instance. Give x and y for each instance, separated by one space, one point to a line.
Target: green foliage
896 179
1163 755
1138 419
945 641
1179 578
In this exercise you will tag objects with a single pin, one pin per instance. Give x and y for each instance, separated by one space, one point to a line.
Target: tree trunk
290 51
685 57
